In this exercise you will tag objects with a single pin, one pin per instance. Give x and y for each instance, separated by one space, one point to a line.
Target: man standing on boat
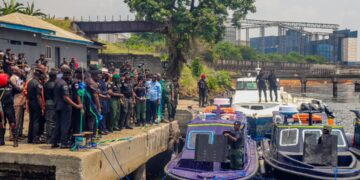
260 80
235 137
273 85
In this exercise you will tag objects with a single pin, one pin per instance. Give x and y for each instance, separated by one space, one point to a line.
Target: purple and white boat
186 165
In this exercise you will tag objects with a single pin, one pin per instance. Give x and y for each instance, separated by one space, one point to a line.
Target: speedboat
206 158
303 151
258 114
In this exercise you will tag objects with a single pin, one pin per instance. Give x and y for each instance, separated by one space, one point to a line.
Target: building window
13 42
48 52
29 43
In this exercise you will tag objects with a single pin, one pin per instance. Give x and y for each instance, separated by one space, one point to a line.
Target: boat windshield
318 133
341 140
191 141
246 85
289 137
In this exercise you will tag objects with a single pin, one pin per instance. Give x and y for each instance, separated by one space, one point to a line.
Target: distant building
339 47
33 36
233 35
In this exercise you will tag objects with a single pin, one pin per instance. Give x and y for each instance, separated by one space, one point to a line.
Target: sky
346 13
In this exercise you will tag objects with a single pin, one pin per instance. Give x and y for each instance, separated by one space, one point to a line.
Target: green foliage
227 51
196 67
248 53
189 19
315 59
30 10
188 82
11 6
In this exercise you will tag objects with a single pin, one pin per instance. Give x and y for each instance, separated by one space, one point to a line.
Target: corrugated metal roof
35 22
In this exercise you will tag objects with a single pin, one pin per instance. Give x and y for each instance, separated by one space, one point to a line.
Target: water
347 100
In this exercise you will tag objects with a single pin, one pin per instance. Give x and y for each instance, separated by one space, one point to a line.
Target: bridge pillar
303 85
335 87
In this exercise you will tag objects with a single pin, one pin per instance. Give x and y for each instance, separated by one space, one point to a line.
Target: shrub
196 67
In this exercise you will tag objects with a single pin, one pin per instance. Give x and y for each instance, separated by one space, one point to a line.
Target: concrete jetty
111 160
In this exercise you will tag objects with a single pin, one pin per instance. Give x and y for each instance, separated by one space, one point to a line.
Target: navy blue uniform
63 112
34 91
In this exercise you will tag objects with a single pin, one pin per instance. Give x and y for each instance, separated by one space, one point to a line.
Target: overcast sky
343 12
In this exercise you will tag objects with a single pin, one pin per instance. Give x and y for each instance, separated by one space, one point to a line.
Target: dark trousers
125 113
262 89
102 125
34 123
174 107
75 121
9 113
140 112
275 92
62 128
152 107
202 97
50 118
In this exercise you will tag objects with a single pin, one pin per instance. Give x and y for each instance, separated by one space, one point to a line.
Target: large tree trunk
176 58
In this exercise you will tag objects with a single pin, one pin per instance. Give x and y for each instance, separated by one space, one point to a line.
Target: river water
347 100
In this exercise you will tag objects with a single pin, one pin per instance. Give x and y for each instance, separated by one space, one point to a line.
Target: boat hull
250 168
279 169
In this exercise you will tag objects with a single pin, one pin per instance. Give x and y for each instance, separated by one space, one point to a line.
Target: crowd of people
71 99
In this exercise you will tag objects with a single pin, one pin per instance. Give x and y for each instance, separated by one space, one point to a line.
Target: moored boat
189 165
308 151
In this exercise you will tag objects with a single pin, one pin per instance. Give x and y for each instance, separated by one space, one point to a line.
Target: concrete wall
32 53
151 62
95 164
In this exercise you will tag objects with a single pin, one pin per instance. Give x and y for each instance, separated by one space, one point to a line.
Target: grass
61 23
117 48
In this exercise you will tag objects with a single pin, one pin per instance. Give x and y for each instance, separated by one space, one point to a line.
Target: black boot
15 137
2 136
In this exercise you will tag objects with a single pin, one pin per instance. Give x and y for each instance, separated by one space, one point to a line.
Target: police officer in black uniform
50 113
7 103
76 113
63 105
127 91
36 106
93 89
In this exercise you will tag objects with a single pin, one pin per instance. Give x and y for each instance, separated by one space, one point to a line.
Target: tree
248 53
185 20
196 67
11 7
227 51
30 10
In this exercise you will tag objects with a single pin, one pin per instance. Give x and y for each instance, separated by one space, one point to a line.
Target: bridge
109 27
294 71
